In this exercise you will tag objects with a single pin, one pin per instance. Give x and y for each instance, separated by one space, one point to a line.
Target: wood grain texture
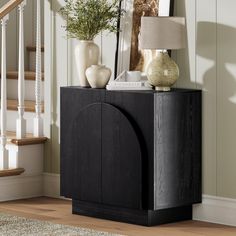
145 152
177 161
32 48
29 75
121 160
86 166
12 105
28 140
8 7
11 172
69 114
131 215
138 108
59 211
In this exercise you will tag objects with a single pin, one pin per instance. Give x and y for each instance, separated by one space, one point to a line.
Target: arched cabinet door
121 160
107 162
86 146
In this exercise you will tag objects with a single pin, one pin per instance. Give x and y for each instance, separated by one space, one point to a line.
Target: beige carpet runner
20 226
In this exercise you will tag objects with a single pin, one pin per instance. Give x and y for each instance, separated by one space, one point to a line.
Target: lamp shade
162 33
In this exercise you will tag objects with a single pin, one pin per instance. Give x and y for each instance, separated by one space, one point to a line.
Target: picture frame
128 55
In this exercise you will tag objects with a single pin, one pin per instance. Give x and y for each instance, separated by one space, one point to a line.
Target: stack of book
122 83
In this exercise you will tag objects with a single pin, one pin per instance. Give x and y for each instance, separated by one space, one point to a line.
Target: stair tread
12 104
29 75
11 172
32 48
28 140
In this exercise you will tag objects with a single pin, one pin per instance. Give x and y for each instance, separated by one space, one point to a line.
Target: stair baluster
38 121
4 162
21 122
11 157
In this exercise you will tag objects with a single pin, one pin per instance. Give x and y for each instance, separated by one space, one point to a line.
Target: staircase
22 106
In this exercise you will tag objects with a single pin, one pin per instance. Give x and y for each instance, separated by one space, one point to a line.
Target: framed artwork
128 54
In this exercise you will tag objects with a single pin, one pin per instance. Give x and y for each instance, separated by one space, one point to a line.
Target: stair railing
20 122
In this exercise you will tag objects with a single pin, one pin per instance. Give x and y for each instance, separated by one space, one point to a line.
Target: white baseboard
29 186
216 210
21 187
51 185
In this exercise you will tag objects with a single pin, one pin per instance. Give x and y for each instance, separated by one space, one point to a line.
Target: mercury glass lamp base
162 72
164 89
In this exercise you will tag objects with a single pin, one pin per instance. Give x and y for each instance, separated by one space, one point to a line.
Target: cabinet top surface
173 90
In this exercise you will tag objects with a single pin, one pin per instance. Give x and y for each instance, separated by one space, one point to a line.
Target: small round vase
98 76
86 54
162 72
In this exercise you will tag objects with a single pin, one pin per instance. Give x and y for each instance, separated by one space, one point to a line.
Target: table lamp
162 33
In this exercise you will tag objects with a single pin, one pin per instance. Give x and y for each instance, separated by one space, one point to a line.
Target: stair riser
21 187
12 89
32 61
13 115
30 157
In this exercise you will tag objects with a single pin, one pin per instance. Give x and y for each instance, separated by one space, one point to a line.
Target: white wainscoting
51 185
209 63
21 187
29 186
216 210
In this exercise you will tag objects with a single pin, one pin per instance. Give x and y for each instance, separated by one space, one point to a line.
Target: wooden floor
59 211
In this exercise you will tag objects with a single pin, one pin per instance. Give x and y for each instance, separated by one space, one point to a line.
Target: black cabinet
133 156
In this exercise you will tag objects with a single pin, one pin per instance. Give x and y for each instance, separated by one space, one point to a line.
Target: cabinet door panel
72 100
86 136
121 160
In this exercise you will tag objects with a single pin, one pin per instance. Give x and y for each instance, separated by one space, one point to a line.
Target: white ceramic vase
86 54
98 76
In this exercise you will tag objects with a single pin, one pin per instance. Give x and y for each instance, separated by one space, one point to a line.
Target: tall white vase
86 54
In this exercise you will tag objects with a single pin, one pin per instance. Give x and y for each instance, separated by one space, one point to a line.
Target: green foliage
87 18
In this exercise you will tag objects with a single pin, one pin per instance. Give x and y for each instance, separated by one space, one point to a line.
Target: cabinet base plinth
140 217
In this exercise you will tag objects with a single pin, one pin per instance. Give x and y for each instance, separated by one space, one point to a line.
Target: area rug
19 226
